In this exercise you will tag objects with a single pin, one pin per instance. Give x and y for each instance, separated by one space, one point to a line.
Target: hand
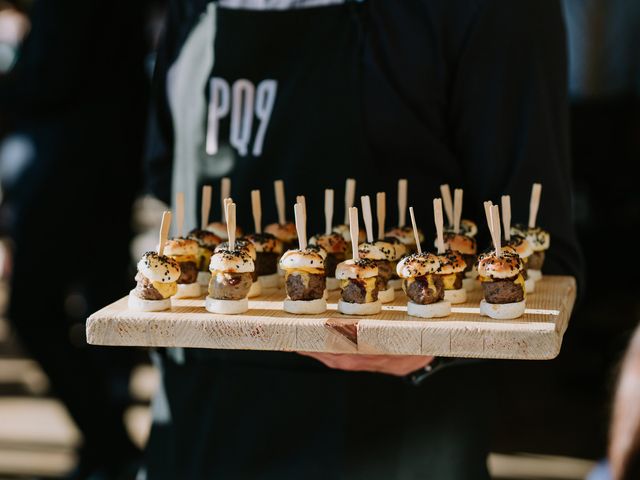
398 365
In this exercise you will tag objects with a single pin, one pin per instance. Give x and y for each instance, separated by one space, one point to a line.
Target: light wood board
537 335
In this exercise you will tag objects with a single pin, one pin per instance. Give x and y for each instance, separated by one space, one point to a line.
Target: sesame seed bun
285 233
418 265
220 229
400 249
539 239
241 244
350 269
460 243
332 243
236 261
301 259
319 250
204 237
265 242
371 251
520 245
181 246
508 265
159 268
405 235
451 262
345 231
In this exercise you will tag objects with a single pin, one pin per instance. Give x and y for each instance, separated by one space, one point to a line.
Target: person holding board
470 93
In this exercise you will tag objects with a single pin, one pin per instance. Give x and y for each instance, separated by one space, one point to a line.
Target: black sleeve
509 113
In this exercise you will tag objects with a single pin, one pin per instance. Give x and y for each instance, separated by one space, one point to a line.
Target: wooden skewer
225 192
164 231
437 215
536 190
368 217
231 224
457 209
416 235
506 216
301 227
205 207
256 209
349 198
179 213
355 231
495 222
328 210
301 200
278 185
445 193
402 202
226 202
381 211
487 211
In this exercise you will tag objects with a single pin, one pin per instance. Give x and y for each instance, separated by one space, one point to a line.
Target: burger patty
331 262
145 290
470 260
356 292
457 285
297 290
188 272
384 269
419 291
266 263
536 260
230 286
503 291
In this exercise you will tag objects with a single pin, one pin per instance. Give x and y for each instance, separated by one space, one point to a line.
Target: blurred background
555 415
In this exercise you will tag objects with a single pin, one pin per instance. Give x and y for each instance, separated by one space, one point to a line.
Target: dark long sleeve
509 110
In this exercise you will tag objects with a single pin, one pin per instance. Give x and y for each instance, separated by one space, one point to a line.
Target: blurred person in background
74 107
469 92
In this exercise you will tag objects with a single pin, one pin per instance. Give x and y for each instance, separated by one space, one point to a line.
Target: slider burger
522 247
336 249
304 281
406 237
156 283
207 242
382 254
467 247
220 230
231 280
185 252
451 271
268 248
502 284
359 287
248 248
540 241
286 233
423 285
400 250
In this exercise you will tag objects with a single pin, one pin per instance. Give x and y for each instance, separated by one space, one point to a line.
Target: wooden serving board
537 335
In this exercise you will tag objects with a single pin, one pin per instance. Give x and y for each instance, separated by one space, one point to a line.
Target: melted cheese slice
184 258
166 289
298 271
449 281
369 285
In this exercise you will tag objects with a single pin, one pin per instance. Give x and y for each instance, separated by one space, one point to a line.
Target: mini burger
522 247
451 271
540 241
185 252
359 287
467 247
423 285
248 248
156 283
231 280
268 249
207 242
406 237
382 254
304 281
502 284
336 249
400 250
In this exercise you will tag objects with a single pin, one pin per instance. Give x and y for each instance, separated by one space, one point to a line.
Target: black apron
272 415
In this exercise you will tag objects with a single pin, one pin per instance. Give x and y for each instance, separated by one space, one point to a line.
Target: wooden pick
354 231
368 217
278 185
256 209
506 216
487 211
231 224
225 192
205 207
437 215
328 210
416 235
457 209
445 192
164 231
349 198
536 190
381 211
301 200
402 202
179 213
225 202
495 221
301 227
